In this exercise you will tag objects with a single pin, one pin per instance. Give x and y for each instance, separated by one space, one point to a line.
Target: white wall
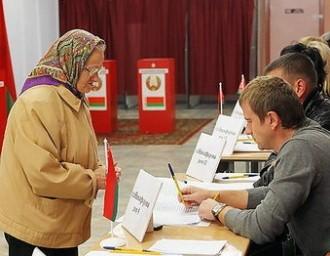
32 25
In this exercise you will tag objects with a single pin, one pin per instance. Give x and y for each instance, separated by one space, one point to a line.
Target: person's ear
273 120
300 88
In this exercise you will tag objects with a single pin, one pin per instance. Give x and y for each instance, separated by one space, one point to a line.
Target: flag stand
113 241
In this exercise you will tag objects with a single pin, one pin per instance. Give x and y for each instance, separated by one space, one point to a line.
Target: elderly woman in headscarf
50 170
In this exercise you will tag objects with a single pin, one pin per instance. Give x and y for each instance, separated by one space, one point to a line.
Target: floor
153 159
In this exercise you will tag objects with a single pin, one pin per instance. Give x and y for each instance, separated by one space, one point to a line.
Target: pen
176 182
246 175
130 250
248 142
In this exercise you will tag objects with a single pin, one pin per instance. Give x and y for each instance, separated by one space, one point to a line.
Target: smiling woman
49 162
89 79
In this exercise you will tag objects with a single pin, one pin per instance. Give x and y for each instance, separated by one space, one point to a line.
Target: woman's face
89 79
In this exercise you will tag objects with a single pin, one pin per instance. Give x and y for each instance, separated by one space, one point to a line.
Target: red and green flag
110 205
155 101
96 101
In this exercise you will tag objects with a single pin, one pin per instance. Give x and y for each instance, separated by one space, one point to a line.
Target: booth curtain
218 33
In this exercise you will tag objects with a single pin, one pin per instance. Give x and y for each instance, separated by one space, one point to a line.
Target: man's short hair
295 65
269 93
314 54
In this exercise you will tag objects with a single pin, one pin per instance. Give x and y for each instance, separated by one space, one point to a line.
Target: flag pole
221 98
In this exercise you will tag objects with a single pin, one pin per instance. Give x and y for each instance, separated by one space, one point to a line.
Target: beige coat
47 182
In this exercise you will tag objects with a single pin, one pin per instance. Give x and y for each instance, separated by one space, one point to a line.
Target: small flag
96 101
110 205
155 101
242 85
221 98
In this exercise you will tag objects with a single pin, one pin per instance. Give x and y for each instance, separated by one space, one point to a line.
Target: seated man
298 196
298 70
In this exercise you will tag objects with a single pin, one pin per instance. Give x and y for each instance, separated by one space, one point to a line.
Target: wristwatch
217 209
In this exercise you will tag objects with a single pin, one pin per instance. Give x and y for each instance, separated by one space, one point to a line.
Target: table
212 232
253 159
215 231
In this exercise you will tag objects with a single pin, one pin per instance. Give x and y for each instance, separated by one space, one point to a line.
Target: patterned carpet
128 133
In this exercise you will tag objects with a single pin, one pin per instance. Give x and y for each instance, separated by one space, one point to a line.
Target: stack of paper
189 247
168 210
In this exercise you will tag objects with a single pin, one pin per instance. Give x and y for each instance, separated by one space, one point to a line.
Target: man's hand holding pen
193 196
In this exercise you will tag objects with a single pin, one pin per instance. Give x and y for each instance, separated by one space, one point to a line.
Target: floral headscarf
65 59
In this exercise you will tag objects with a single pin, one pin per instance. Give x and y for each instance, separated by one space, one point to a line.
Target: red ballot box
103 103
3 112
156 95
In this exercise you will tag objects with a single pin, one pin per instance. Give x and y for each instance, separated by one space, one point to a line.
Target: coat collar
70 98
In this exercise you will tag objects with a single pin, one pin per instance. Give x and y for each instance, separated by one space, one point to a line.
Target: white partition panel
32 25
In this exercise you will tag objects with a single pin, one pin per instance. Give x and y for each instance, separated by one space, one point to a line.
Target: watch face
217 209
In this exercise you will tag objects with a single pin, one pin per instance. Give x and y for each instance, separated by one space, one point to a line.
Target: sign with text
206 157
237 111
140 205
228 128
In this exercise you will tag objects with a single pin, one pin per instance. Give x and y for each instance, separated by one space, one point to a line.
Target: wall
31 26
326 13
277 29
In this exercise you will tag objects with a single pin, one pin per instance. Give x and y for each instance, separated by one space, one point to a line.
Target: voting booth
103 103
3 112
156 89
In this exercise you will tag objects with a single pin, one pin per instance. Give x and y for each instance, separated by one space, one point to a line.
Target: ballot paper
169 211
189 247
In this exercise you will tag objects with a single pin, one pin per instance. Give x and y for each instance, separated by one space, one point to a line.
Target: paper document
189 247
169 211
105 253
221 186
100 253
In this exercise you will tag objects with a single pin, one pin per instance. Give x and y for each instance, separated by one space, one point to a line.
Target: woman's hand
194 196
117 171
100 177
